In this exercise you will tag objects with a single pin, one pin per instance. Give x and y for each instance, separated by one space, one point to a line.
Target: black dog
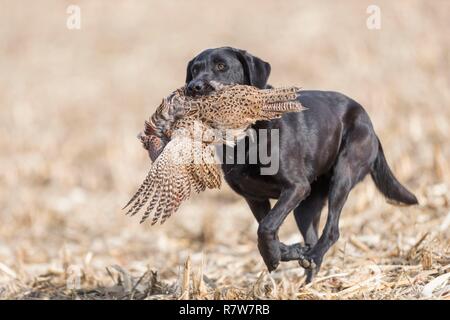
324 152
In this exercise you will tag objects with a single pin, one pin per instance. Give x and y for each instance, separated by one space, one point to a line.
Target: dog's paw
307 263
310 260
271 254
293 251
272 263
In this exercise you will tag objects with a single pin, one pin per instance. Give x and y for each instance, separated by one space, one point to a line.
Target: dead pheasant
180 141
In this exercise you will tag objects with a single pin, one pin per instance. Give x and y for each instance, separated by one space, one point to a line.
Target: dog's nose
196 87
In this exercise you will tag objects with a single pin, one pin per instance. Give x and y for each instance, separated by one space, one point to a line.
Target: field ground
72 103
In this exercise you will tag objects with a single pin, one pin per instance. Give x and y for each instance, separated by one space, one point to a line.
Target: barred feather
139 201
163 199
138 192
151 206
282 107
281 94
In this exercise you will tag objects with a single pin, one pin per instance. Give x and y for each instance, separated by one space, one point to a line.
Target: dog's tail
386 182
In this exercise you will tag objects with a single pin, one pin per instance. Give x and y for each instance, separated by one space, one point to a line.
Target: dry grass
72 102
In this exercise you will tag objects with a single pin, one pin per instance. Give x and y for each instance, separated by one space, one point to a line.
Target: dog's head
225 65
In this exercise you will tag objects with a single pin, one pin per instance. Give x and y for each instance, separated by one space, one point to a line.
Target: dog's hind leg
353 164
307 216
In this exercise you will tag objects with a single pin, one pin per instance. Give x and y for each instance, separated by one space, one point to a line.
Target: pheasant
180 138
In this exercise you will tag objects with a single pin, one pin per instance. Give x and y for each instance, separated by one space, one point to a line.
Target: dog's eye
220 66
194 70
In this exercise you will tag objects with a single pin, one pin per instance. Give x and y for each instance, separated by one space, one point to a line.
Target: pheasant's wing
176 196
134 199
151 186
196 173
171 180
212 176
210 168
173 176
163 198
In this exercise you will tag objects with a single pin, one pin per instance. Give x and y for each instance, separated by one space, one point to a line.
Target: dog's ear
256 71
188 71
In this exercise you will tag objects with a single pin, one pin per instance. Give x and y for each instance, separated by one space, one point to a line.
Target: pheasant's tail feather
282 107
281 94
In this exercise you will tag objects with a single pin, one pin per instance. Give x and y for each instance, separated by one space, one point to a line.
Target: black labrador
323 152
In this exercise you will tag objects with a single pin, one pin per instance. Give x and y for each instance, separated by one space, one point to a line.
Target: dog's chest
247 181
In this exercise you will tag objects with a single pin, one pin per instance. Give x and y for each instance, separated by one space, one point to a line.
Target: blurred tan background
72 102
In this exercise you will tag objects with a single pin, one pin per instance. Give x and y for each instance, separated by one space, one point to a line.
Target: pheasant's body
187 162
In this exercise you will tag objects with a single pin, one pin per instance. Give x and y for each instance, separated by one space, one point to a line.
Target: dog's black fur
324 152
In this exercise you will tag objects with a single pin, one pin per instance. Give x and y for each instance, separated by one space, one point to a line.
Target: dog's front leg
268 243
260 208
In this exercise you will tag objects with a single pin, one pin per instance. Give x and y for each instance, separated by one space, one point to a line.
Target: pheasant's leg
260 208
268 243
